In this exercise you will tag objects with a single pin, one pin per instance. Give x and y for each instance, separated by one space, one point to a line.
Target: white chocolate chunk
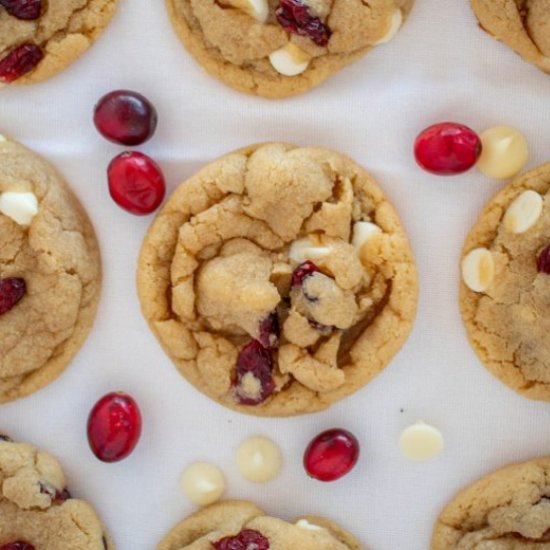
395 24
259 459
478 269
203 483
20 207
303 249
362 233
290 60
308 526
523 213
421 442
259 9
3 138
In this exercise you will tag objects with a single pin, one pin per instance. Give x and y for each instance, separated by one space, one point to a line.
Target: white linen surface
441 66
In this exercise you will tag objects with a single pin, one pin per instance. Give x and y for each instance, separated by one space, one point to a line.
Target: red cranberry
303 271
331 455
245 540
23 9
55 495
136 183
543 262
17 546
447 148
125 117
325 330
270 331
295 17
12 291
114 427
257 361
19 62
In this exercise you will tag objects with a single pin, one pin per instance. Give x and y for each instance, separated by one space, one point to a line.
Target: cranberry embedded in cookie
27 10
12 290
295 16
19 545
19 61
543 262
245 540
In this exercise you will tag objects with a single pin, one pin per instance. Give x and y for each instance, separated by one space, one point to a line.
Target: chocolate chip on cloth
37 511
524 25
50 273
278 48
39 38
239 525
278 279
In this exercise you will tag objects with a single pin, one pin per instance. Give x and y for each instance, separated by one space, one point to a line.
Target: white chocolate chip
421 442
290 60
203 483
259 9
395 25
20 207
362 233
259 459
305 524
303 249
523 213
478 269
3 138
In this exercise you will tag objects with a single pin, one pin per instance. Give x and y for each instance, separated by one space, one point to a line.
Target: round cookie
506 510
507 317
37 509
278 279
524 25
58 32
236 40
56 258
226 520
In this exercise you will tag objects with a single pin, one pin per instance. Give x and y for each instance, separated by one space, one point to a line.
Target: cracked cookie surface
36 508
64 30
278 279
506 510
235 47
509 323
205 529
524 25
58 258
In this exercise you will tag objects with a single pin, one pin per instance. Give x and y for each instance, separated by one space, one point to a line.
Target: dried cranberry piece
245 540
257 361
55 495
6 438
303 271
12 291
543 263
325 330
270 331
294 16
19 545
23 9
19 62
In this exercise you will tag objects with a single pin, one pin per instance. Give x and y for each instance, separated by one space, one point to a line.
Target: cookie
279 48
39 38
238 524
506 510
524 25
50 273
505 293
278 279
36 509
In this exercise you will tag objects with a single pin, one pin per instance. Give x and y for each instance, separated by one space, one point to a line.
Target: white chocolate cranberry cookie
278 279
37 511
505 294
39 38
50 273
278 48
506 510
235 524
524 25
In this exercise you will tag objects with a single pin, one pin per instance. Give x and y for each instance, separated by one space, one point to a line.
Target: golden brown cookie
37 510
279 48
50 273
39 38
278 279
505 297
220 525
524 25
506 510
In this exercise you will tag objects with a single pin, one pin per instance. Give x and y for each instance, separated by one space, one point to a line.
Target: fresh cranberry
55 495
270 331
136 183
447 149
303 271
23 9
257 361
12 291
114 427
295 17
245 540
543 262
331 455
19 62
125 117
17 546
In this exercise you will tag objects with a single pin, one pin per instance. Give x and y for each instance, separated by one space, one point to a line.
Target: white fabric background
440 67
